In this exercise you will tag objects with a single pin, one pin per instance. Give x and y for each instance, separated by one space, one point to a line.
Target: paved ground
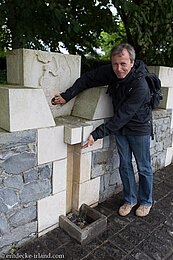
127 238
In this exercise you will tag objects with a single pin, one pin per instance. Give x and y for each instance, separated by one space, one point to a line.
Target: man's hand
58 100
90 142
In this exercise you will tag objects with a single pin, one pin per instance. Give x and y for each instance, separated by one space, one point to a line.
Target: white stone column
166 76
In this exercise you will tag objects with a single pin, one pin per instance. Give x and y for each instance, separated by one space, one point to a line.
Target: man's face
121 64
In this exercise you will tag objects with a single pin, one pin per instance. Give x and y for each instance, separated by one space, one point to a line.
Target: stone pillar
85 189
51 148
69 190
166 76
90 108
76 133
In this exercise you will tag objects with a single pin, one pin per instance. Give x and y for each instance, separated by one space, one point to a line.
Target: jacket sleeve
94 78
136 99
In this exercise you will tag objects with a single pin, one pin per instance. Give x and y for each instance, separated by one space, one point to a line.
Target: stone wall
28 187
37 184
19 175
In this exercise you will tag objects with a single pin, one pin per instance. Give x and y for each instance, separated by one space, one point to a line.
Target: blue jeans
140 147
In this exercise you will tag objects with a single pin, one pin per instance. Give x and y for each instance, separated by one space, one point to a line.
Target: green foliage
83 26
91 63
108 40
3 77
37 24
149 28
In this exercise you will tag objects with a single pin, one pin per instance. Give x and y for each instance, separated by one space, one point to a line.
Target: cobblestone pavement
126 238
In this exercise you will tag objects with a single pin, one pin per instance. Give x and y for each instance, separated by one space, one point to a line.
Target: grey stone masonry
19 163
8 199
22 216
35 190
8 140
30 175
45 171
15 182
162 137
22 183
18 233
3 225
105 163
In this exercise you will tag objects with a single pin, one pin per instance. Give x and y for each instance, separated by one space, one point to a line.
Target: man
131 123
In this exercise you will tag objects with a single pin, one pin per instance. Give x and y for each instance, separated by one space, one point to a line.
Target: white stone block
169 156
76 130
167 103
86 133
164 73
51 71
93 104
14 60
49 209
51 146
72 129
59 178
23 108
72 135
81 167
87 192
45 231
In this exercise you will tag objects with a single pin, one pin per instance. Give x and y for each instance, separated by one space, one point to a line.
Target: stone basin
97 224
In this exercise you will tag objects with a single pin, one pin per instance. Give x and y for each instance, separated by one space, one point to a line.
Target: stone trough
96 224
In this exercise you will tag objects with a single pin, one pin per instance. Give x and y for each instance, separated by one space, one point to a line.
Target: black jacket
133 117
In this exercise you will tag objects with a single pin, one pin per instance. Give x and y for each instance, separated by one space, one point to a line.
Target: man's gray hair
117 50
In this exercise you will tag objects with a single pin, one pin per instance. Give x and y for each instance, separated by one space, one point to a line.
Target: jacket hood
139 68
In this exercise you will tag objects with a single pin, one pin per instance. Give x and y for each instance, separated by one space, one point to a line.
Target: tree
44 24
108 40
149 28
83 26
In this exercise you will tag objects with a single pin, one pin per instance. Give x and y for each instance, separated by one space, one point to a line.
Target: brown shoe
143 211
125 209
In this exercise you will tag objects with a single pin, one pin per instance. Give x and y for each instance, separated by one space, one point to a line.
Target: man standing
131 123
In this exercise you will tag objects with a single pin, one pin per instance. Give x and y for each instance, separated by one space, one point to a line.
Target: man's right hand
58 100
